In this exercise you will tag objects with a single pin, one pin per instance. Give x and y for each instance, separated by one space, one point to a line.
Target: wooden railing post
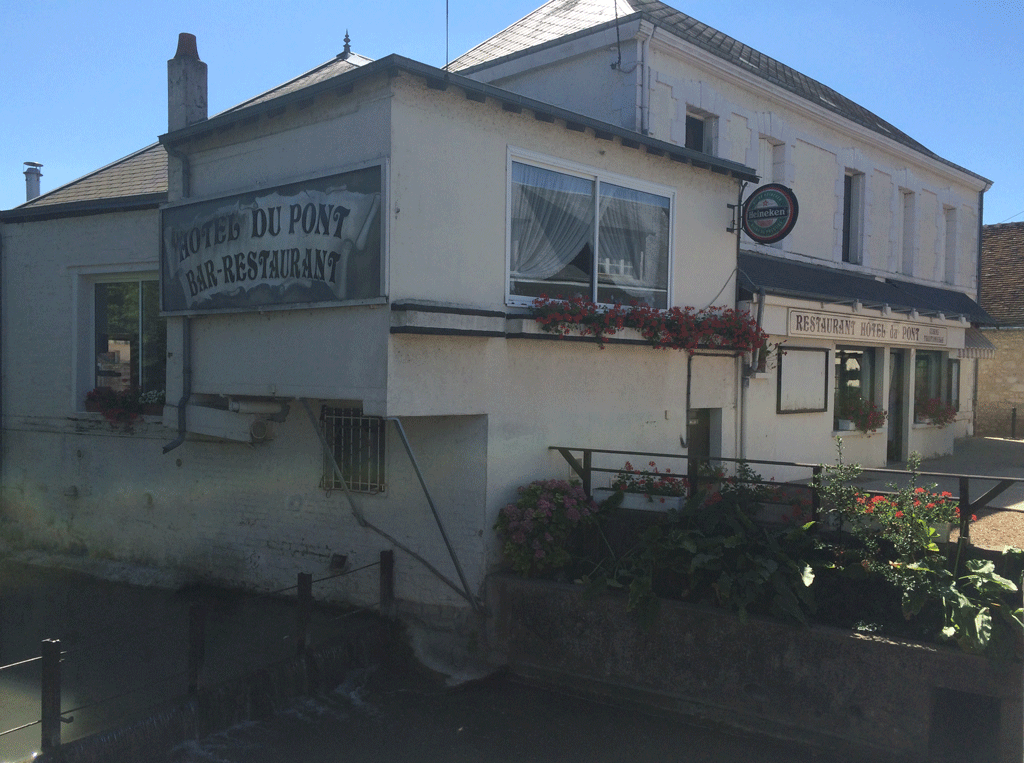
587 476
387 580
51 696
196 645
303 612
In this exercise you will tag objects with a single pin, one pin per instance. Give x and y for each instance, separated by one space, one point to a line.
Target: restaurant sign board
850 328
311 243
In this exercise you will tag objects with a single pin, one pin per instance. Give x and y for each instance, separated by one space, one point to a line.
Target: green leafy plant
536 528
977 612
713 551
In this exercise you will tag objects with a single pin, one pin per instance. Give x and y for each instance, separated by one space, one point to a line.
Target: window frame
598 176
851 243
85 279
868 376
342 415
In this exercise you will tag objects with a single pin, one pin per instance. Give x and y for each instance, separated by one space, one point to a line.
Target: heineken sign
769 214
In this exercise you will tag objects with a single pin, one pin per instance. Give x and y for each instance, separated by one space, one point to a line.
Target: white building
346 264
871 295
335 258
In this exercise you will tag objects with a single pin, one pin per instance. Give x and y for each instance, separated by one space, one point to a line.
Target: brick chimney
32 175
186 85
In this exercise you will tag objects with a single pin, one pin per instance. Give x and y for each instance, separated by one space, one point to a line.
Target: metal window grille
357 446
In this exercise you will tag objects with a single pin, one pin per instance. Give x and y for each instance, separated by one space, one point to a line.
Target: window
700 132
949 218
953 383
130 337
853 215
908 220
927 375
356 444
854 382
936 377
694 132
573 235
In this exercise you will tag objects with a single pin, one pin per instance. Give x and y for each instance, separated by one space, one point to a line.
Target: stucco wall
243 514
1001 385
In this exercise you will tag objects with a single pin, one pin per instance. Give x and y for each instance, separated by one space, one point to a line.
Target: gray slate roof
321 73
140 174
558 19
1002 272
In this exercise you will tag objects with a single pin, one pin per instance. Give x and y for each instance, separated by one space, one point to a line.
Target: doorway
698 441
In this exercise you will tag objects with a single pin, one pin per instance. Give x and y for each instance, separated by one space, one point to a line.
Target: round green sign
769 214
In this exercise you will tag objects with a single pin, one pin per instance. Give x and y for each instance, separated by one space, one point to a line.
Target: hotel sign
309 243
852 328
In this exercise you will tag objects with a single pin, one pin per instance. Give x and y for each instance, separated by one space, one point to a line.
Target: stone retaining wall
831 688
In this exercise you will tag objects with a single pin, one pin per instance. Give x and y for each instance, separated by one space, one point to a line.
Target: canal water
120 637
125 646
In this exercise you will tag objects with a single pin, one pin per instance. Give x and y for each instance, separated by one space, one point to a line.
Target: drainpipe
645 85
974 385
186 105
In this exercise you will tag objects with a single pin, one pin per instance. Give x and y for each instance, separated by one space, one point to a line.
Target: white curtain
633 240
552 221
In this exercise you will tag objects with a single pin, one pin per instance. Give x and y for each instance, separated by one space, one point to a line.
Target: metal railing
585 469
52 655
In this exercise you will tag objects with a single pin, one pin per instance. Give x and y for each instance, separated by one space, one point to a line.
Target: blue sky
84 84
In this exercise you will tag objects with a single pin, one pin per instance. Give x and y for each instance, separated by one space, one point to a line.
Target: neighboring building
1001 378
871 294
338 258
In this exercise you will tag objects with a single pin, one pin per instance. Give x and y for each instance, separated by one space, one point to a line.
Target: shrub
536 528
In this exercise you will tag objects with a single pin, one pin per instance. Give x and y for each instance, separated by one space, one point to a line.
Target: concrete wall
1001 385
859 698
243 514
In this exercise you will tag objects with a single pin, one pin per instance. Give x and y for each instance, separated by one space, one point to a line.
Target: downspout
2 332
977 362
186 321
645 85
744 370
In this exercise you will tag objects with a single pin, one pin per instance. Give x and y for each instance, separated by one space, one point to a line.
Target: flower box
845 425
642 501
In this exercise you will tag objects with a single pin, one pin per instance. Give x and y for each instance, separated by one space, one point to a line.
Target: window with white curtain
579 235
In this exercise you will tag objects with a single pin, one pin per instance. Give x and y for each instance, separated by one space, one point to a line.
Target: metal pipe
186 321
433 508
463 592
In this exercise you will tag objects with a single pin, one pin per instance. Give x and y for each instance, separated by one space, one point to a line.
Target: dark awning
785 278
976 345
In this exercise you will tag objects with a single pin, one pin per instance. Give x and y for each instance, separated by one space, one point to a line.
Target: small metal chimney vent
32 175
